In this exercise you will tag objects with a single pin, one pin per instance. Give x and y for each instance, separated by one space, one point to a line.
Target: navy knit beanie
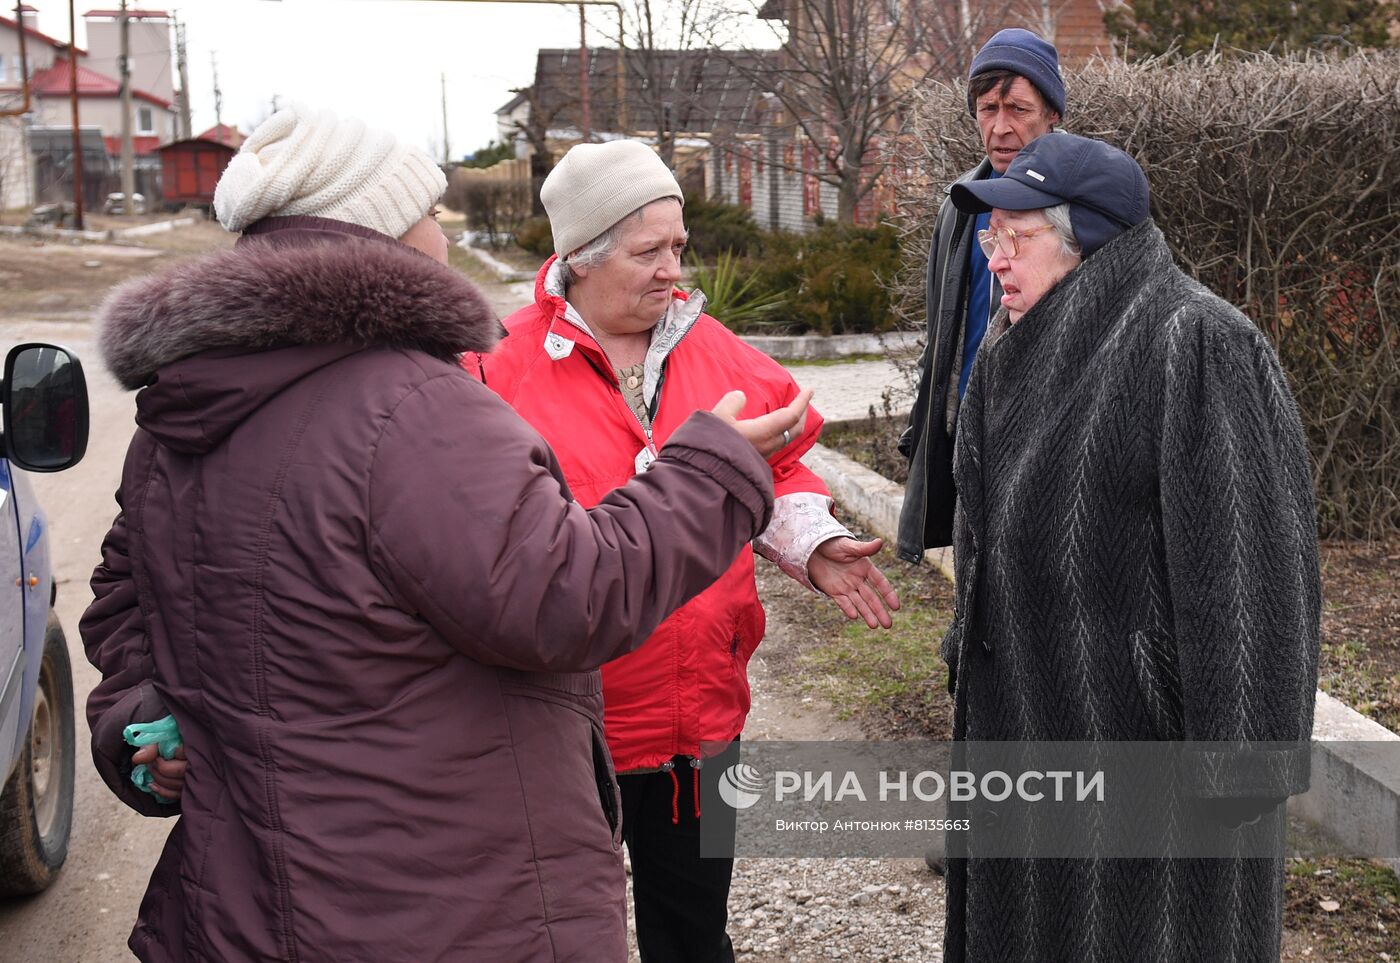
1022 52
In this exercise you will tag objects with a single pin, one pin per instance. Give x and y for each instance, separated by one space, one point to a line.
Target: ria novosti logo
741 785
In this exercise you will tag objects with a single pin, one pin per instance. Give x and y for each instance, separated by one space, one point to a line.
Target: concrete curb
816 347
504 272
1355 793
57 233
159 227
871 496
115 234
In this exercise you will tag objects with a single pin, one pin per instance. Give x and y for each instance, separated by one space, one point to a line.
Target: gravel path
846 391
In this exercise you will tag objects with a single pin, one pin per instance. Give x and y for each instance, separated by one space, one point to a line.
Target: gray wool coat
1136 560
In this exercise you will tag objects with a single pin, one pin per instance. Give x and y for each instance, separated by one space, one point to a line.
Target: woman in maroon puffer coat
359 583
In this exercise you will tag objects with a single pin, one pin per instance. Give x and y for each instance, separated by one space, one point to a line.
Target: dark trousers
681 899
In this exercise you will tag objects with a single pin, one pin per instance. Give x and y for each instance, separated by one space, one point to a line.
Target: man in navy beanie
1015 94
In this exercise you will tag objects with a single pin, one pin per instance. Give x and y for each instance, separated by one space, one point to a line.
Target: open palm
841 568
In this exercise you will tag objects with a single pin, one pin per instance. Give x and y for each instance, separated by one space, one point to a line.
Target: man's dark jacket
926 521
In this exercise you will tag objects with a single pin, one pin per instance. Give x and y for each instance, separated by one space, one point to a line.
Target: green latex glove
165 733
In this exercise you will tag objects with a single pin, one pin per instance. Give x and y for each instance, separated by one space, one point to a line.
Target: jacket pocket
609 793
950 649
556 726
744 635
1158 679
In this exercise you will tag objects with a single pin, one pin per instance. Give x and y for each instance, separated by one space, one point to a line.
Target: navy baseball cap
1104 187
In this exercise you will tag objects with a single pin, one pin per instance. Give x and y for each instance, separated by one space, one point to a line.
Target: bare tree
671 66
846 72
535 128
494 203
1042 16
14 169
12 165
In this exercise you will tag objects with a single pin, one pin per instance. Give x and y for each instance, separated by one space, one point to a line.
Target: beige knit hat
305 161
597 185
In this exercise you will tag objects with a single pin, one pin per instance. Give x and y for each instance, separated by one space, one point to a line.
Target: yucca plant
732 293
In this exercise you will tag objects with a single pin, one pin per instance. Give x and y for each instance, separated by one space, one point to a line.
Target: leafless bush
493 202
1276 180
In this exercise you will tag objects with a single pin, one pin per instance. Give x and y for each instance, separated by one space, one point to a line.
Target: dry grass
60 278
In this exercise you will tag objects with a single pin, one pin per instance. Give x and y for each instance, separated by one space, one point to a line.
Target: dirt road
86 916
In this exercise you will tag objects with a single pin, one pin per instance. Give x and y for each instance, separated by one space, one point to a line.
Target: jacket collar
977 173
568 330
1074 317
300 229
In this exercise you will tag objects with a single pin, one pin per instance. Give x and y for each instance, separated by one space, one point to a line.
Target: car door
11 625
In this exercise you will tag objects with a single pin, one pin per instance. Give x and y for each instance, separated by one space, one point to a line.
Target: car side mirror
45 403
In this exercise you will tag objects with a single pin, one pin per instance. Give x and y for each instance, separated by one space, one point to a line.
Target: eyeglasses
1007 239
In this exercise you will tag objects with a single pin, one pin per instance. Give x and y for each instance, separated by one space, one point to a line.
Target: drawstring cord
670 767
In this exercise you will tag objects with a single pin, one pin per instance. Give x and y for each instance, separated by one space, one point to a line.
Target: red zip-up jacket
688 683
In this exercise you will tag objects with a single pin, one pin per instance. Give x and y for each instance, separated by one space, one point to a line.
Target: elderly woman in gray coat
1136 557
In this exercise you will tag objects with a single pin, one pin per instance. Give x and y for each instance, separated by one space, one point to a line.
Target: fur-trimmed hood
330 286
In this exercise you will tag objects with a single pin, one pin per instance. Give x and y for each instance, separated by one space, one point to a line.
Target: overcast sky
381 60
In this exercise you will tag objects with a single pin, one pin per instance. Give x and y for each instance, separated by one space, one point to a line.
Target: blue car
45 418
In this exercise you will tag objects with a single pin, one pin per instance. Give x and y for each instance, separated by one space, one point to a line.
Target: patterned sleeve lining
801 522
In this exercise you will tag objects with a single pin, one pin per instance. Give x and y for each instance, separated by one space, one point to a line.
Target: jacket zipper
655 405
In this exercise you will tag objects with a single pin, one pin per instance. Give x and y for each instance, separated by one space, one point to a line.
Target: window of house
3 75
145 120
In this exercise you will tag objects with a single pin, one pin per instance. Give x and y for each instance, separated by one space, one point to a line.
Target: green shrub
535 236
733 295
716 227
833 279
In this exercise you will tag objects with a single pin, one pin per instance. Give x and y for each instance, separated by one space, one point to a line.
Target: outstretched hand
841 568
767 433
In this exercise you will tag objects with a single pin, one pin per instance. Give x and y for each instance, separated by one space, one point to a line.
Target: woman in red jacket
605 364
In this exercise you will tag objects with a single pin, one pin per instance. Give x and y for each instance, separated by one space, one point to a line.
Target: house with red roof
44 135
224 134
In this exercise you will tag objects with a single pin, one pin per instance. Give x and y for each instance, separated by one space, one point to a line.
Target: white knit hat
597 185
305 161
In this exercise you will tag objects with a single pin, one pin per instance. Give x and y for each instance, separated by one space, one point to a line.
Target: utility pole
446 143
128 149
585 120
218 94
77 132
186 125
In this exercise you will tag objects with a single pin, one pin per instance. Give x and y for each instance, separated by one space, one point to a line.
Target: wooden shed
191 168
